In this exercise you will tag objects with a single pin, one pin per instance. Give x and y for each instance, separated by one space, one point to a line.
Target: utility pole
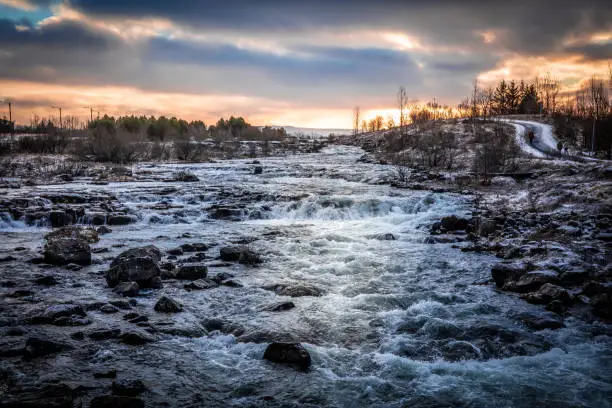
60 112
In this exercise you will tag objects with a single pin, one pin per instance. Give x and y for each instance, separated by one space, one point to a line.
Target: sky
300 63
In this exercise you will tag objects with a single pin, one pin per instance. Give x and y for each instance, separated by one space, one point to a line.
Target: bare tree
549 89
356 114
402 100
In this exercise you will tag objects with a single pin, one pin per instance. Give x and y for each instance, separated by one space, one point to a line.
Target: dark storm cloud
592 52
531 27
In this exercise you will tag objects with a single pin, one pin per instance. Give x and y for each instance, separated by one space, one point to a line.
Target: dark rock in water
220 212
166 304
600 295
556 306
258 170
383 237
66 251
541 321
104 334
202 284
37 347
138 265
232 283
185 176
50 396
175 251
123 304
116 401
240 254
294 290
104 230
223 276
192 271
195 247
73 267
138 319
457 350
507 273
47 280
279 307
15 331
127 289
135 338
367 158
59 219
8 258
19 293
288 353
548 293
105 374
128 388
487 227
54 312
71 321
453 223
223 326
88 235
532 281
121 219
109 309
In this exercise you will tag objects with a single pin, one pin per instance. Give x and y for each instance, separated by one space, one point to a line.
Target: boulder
195 247
127 289
453 223
104 334
294 290
279 307
185 176
504 274
66 251
54 312
166 304
383 237
258 170
600 296
135 338
531 281
202 284
175 251
138 265
240 254
288 353
549 293
487 227
104 230
541 321
121 219
222 276
128 388
192 271
87 234
37 347
59 219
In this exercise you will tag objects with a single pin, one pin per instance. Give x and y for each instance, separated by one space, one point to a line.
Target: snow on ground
543 132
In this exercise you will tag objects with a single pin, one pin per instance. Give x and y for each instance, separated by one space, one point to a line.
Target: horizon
285 64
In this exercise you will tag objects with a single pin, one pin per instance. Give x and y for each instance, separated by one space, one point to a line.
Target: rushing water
401 323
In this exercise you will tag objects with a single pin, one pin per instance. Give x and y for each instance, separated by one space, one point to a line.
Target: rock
54 312
258 170
223 326
71 321
240 254
138 265
453 223
121 219
548 293
135 338
600 297
66 251
166 304
531 281
128 388
104 334
219 212
109 309
104 230
504 274
123 304
192 271
37 347
541 321
8 258
294 290
116 401
279 307
195 247
15 331
88 235
382 237
59 219
47 280
232 283
223 276
185 176
288 353
487 227
50 396
105 374
175 251
202 284
127 289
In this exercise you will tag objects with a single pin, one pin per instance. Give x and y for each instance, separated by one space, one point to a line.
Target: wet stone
279 307
288 353
166 304
135 338
192 271
128 388
116 401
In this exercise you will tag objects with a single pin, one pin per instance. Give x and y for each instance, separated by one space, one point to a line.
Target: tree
402 100
501 98
379 122
513 98
356 114
390 122
549 89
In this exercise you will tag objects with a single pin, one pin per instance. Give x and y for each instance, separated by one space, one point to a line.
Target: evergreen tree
513 98
500 102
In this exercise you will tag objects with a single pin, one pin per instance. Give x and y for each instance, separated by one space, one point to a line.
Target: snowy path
521 141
